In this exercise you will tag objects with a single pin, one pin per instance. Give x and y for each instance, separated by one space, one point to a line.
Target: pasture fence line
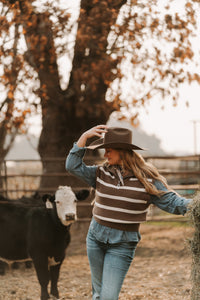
22 177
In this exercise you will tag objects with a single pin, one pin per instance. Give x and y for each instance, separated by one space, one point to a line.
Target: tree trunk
66 114
59 133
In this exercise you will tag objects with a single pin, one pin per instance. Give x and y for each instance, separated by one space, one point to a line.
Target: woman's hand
94 131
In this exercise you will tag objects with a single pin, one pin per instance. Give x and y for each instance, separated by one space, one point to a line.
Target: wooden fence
22 177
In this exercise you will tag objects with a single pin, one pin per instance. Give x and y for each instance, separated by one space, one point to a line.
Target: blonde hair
142 170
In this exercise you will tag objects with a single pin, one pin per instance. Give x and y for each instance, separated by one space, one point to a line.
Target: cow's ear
48 197
45 197
82 195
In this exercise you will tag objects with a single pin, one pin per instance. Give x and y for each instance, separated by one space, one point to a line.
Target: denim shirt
169 202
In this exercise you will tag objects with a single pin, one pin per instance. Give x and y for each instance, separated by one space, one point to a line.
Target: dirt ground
161 269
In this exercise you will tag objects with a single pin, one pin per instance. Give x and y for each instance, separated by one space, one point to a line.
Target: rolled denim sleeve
170 201
74 164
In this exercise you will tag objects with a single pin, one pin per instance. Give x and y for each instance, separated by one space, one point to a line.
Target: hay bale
194 214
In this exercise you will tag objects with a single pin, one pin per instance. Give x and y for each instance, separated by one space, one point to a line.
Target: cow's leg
41 267
28 264
54 274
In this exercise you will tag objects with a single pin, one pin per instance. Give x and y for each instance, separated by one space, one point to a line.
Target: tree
113 38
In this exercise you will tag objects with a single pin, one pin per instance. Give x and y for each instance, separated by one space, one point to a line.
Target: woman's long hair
142 170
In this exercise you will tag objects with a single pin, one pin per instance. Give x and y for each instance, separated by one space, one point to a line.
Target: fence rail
185 173
22 177
182 170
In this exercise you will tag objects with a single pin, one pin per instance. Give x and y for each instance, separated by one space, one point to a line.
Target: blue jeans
109 264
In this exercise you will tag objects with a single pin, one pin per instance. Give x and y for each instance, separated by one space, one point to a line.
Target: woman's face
112 156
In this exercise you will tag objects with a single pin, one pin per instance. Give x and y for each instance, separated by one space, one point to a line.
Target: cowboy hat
115 137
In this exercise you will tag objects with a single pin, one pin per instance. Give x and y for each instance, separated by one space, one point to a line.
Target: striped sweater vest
119 204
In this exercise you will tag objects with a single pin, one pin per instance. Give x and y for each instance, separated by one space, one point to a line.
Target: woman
125 186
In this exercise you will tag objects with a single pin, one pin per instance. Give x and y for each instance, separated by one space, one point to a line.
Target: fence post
5 178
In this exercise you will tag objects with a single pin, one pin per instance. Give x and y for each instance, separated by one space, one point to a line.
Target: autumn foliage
122 54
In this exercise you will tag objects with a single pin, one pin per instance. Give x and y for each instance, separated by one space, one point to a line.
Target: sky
174 126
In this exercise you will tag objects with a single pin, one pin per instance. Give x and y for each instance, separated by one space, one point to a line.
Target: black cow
32 201
40 233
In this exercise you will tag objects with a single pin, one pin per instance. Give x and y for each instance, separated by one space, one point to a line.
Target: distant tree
114 39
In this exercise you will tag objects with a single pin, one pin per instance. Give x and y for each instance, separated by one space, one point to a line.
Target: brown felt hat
117 138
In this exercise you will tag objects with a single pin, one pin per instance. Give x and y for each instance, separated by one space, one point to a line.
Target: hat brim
99 144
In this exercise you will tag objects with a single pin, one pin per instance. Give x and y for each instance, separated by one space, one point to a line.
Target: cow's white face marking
66 205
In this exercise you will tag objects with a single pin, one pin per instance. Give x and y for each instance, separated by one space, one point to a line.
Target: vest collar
113 170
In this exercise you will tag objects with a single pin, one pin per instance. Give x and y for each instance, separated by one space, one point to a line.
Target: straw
194 242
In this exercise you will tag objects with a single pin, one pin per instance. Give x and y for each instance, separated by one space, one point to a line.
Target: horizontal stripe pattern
113 188
117 221
120 198
128 211
119 204
119 216
131 188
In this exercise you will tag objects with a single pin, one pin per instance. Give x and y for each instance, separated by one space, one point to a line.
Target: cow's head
65 200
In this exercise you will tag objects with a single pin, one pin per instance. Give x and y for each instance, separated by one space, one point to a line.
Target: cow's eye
57 201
